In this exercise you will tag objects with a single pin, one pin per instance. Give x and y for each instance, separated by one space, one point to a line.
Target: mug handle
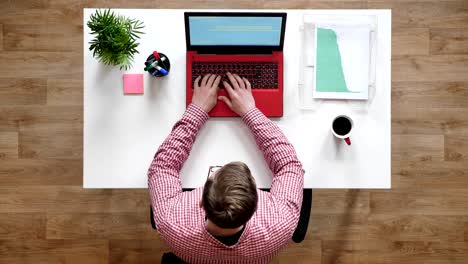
348 141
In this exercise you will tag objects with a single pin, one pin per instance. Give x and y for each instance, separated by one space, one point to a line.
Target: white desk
122 133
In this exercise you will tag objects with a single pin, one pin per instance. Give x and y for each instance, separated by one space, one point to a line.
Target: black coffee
341 126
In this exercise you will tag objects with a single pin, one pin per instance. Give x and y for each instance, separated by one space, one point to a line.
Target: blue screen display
235 31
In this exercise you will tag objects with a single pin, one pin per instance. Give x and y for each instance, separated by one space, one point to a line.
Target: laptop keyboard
261 75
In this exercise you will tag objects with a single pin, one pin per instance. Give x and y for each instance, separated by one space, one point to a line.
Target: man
228 220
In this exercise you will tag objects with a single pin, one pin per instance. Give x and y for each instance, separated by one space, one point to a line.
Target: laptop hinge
233 51
236 53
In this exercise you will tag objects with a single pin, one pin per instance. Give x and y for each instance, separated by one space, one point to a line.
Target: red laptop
249 44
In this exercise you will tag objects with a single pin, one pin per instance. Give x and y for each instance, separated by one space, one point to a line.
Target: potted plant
115 41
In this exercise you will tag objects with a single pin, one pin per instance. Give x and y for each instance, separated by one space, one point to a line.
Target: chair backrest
171 258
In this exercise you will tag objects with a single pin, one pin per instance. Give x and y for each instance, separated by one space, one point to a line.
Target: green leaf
115 36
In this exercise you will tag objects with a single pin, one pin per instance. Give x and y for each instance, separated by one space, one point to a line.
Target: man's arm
163 175
288 175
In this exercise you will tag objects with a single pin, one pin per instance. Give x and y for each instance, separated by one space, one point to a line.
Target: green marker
152 65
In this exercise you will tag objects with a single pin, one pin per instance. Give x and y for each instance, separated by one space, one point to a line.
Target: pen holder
158 67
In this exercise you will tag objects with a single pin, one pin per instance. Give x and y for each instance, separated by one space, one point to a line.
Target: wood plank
23 92
48 133
344 251
383 252
64 92
41 172
136 251
100 226
22 226
67 15
48 11
72 199
73 16
434 174
210 4
27 64
8 145
308 251
12 118
410 41
388 227
417 252
23 4
51 142
466 232
70 12
42 37
430 68
422 14
338 201
275 4
343 226
56 65
420 202
64 4
54 251
407 119
304 4
449 41
456 148
1 37
416 227
429 95
126 4
65 65
418 147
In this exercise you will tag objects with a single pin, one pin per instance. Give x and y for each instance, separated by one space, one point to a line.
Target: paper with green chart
342 61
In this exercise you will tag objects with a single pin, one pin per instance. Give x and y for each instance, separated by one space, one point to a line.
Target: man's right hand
240 94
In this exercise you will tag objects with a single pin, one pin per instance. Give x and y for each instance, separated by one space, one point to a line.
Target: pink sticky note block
133 83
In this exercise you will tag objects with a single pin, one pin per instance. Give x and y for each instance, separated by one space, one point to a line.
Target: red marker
156 55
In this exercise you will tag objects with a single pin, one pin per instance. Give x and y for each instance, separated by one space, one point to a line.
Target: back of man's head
230 196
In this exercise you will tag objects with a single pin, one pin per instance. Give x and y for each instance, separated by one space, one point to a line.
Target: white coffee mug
341 127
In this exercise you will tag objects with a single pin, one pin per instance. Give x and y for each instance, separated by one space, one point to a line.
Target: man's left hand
205 94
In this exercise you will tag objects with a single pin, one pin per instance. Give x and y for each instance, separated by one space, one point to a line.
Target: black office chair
302 225
301 229
171 258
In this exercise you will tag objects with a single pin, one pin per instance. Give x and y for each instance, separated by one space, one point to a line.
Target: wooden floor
47 217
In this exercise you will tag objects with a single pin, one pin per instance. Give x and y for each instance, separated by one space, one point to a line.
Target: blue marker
161 70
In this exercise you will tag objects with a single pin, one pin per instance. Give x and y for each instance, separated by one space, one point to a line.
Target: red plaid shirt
181 221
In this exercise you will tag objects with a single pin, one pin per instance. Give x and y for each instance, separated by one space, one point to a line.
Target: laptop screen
235 30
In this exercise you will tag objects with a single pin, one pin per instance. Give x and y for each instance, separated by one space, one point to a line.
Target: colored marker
152 65
161 70
156 55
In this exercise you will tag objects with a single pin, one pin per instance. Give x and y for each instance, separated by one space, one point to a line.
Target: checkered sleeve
163 174
288 175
